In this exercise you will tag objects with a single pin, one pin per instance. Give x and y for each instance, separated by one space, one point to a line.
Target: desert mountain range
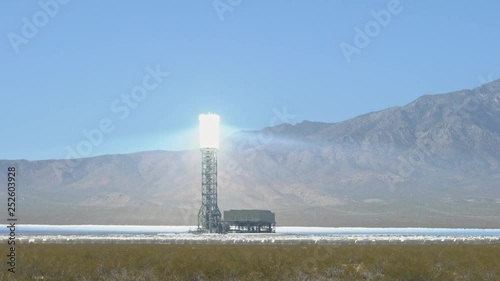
434 162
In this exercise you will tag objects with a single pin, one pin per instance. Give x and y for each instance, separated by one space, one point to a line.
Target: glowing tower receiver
209 216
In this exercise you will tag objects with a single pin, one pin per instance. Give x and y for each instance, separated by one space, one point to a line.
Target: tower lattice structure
209 216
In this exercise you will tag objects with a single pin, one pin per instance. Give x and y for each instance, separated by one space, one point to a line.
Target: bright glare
209 130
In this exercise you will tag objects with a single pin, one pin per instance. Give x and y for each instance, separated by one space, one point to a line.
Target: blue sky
68 67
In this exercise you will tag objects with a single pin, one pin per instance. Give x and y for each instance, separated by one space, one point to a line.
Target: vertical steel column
209 216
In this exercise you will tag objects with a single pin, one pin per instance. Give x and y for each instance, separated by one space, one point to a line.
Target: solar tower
209 216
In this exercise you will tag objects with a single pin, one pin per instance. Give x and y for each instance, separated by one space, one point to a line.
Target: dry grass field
254 262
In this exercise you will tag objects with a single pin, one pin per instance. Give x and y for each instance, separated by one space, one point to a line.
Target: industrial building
249 221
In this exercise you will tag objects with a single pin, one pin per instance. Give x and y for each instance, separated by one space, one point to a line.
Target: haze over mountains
434 162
